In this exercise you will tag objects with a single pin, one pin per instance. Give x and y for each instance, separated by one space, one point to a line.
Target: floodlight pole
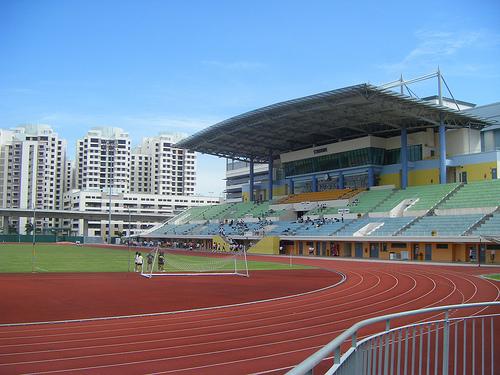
34 234
111 149
128 242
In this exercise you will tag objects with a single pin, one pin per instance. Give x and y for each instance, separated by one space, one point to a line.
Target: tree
12 229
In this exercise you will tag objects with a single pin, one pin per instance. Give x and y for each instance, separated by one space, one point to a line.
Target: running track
267 337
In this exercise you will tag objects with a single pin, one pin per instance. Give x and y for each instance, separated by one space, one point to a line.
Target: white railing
459 345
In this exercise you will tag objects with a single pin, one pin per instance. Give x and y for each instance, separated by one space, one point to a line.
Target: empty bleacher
252 209
390 226
446 225
364 202
208 212
491 227
237 210
327 195
182 229
475 194
428 196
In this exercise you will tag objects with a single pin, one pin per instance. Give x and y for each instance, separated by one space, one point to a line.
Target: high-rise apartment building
32 171
171 171
140 172
103 160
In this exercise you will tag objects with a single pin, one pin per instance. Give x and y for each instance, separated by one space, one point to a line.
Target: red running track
267 337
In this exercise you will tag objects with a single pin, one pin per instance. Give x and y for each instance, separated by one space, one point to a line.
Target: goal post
194 263
150 263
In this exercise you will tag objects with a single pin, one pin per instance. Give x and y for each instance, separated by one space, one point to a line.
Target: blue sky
151 66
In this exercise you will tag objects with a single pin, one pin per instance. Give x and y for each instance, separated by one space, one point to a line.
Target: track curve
268 337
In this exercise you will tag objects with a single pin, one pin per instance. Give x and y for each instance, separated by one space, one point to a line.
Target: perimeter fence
438 344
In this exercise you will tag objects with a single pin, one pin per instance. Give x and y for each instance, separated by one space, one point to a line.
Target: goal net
160 262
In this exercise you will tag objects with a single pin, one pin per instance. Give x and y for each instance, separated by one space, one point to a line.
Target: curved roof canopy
328 117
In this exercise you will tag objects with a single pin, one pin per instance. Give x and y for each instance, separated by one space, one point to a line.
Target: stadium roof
323 118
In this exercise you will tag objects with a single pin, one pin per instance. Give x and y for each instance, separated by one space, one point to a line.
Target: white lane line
180 311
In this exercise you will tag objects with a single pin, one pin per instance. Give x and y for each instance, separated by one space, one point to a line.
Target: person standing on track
150 258
136 262
161 262
139 262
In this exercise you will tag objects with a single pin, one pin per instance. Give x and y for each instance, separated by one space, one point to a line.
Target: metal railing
458 345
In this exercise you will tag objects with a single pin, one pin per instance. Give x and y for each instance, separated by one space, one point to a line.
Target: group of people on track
139 260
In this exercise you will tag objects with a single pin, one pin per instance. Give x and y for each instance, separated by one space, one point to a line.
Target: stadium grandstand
362 171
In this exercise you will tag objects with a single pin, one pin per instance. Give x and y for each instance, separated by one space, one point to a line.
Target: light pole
128 242
111 151
33 248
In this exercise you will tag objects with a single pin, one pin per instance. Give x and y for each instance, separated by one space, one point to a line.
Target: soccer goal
159 262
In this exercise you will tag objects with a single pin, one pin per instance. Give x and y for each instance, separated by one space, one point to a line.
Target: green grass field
494 276
72 258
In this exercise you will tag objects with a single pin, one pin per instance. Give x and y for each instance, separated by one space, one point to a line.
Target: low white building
97 201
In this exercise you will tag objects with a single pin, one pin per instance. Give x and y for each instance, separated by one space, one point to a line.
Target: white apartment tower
140 172
32 171
171 171
103 160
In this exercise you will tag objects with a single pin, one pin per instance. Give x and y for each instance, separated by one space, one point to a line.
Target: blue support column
341 180
314 182
442 150
270 177
371 177
291 187
404 158
251 197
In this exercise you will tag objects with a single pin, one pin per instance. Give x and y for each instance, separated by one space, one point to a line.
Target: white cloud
76 125
435 48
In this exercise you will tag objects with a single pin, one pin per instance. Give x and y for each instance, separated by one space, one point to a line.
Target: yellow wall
442 255
280 190
460 253
390 179
423 177
493 256
476 172
267 245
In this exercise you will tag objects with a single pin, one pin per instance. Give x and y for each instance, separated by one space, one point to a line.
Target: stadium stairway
408 225
446 198
424 198
489 225
391 226
474 195
445 225
382 202
366 200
